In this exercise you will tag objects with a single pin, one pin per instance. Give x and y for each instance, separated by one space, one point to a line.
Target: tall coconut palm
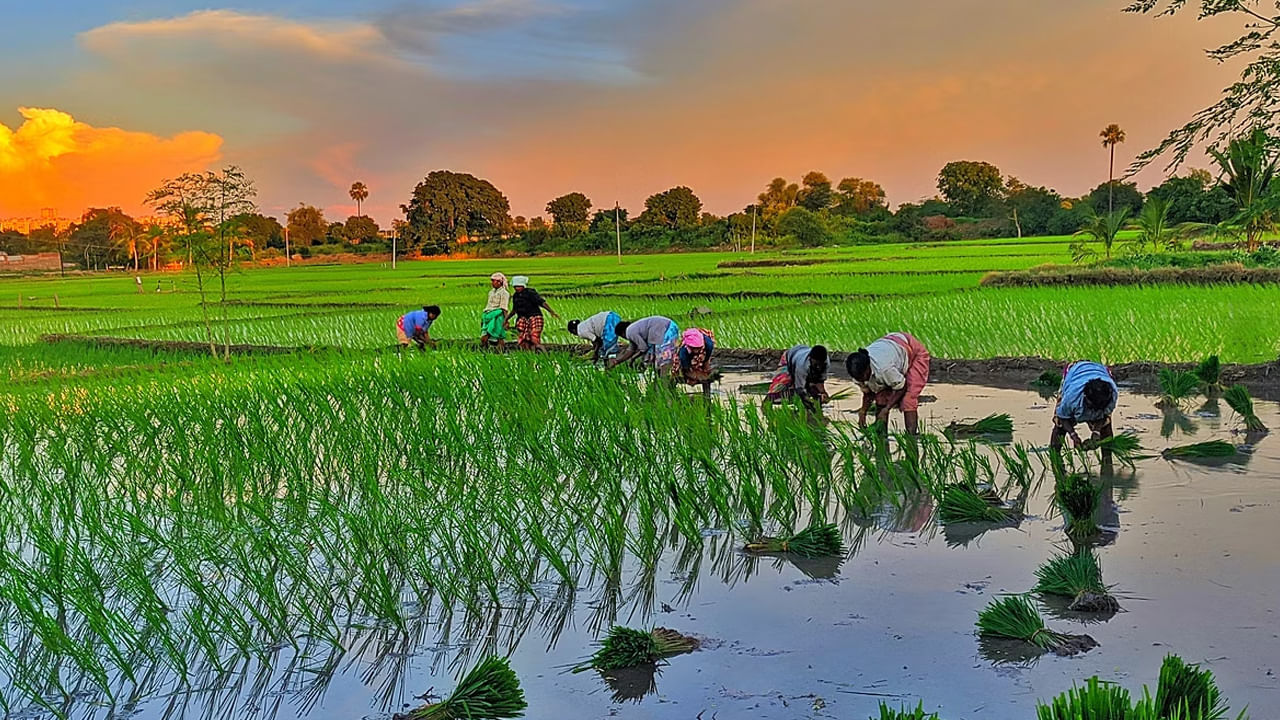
359 193
1249 168
1111 136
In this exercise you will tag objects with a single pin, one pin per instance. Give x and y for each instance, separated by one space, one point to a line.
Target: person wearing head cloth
891 372
493 321
415 327
601 330
653 338
694 359
526 308
802 373
1088 395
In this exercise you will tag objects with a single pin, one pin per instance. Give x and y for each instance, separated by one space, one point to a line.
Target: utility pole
753 229
617 227
288 256
395 234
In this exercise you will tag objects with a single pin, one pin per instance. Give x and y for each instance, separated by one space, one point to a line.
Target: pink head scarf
693 338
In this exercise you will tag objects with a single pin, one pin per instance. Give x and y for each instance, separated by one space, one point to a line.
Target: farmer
601 330
654 337
493 322
891 372
1088 395
694 359
802 373
415 326
526 308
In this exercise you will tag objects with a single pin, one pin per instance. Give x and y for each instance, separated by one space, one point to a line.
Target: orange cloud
53 160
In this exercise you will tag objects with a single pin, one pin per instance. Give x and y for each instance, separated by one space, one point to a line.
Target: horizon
618 101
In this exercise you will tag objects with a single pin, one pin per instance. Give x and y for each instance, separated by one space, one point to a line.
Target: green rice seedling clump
1125 447
491 691
1209 372
997 424
817 540
961 503
1177 386
1187 692
1014 618
1207 449
1078 576
903 713
625 647
1048 380
1237 396
1077 498
1097 700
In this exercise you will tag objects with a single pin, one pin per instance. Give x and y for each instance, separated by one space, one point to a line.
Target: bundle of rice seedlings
1014 618
491 691
1209 372
1124 447
1079 577
626 647
1077 498
1001 424
1238 398
1207 449
962 503
1095 701
1048 380
817 540
903 713
1186 692
1176 386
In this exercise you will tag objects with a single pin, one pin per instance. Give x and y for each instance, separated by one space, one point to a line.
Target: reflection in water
1008 651
632 684
1175 420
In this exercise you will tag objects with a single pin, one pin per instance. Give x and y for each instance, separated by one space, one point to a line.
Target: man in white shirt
891 372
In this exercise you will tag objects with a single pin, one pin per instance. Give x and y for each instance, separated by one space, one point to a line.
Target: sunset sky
102 99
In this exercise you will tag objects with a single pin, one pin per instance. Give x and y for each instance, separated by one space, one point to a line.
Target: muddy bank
1064 276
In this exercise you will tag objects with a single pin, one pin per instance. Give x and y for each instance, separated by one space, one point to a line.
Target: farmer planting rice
415 326
891 371
601 330
1088 396
493 321
694 354
802 373
526 308
654 338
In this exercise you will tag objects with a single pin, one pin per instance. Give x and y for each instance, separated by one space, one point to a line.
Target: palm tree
1111 136
1248 174
1153 224
359 193
1105 228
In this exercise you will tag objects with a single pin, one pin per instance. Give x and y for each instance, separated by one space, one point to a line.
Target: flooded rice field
1190 547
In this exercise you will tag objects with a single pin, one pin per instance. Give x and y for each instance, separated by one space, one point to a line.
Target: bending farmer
493 321
694 366
526 308
653 338
601 330
802 373
891 372
415 327
1088 395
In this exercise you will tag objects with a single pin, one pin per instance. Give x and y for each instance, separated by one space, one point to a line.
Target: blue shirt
416 321
1071 407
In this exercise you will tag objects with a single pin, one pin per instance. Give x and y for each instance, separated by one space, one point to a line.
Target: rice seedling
1012 617
1001 424
1200 450
1077 498
1077 576
904 713
961 503
1124 447
1237 396
1176 386
1049 381
1097 700
1209 372
625 647
817 540
491 691
1185 692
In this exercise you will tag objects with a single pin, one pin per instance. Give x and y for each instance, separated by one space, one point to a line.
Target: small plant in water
1049 380
1077 576
1124 447
1238 398
1077 498
1097 700
1001 424
1185 692
961 503
626 647
1207 449
1014 618
1177 386
1209 373
817 540
491 691
903 713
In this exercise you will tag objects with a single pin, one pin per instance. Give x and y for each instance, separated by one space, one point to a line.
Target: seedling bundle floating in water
817 540
1001 424
1077 576
491 691
960 502
1238 398
1207 449
1014 618
626 647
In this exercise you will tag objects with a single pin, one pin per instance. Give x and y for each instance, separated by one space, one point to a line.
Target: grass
491 691
1207 449
817 540
1096 700
1013 617
1078 576
961 503
1237 397
903 713
995 424
625 647
1184 692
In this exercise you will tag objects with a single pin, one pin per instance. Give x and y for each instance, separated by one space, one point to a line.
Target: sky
100 100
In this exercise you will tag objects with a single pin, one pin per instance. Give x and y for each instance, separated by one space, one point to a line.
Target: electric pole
617 227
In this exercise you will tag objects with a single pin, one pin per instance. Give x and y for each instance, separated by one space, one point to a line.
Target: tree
1194 198
1032 209
1248 176
603 220
335 234
858 197
1117 195
674 209
570 212
1105 228
816 193
102 237
359 192
448 207
805 226
1153 225
973 187
260 231
307 225
360 230
777 198
1111 136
